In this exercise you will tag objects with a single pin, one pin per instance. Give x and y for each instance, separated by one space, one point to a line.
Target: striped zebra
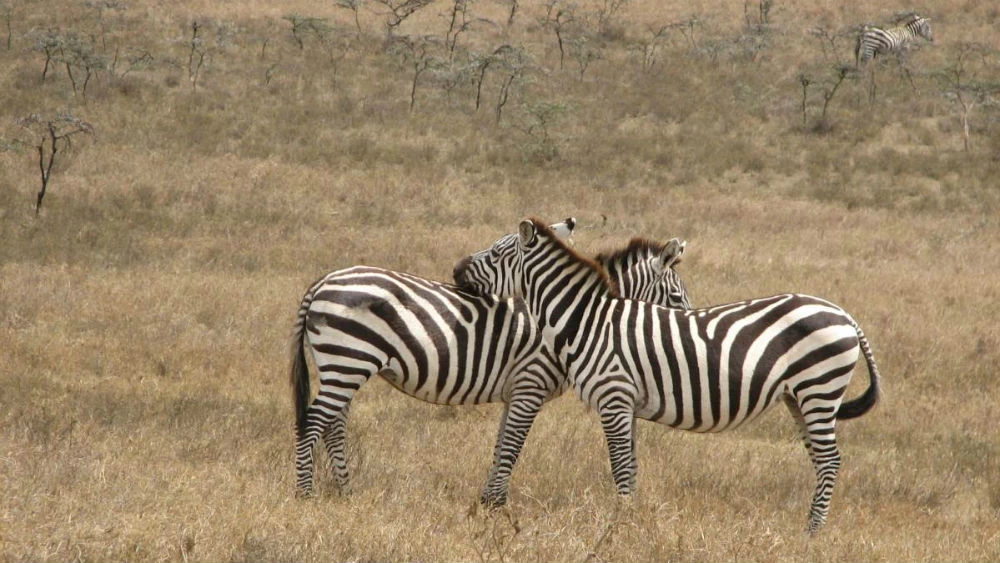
437 343
704 370
874 41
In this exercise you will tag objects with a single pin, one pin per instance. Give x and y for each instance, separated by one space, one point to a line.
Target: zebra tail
300 370
857 407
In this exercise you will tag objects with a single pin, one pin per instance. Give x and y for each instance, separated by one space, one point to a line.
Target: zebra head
644 270
922 27
488 271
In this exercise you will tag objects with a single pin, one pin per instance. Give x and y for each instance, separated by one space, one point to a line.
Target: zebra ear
526 232
564 229
672 253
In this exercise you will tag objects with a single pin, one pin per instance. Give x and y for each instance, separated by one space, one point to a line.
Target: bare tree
459 22
8 13
78 53
607 11
103 6
512 13
399 10
202 47
557 18
354 6
48 135
49 43
536 121
962 81
647 47
306 26
513 63
583 51
416 52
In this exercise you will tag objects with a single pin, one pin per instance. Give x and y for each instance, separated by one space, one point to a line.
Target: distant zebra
437 343
874 41
704 370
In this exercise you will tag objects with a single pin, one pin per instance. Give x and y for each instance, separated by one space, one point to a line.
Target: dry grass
145 314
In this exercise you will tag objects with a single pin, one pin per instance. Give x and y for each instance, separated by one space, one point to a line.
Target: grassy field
146 310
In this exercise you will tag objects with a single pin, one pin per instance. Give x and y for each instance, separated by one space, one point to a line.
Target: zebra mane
593 265
636 246
906 18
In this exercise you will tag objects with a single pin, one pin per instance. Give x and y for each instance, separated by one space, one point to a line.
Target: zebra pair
704 370
444 345
874 41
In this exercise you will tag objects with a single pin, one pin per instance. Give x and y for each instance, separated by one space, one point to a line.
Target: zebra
874 41
438 343
704 370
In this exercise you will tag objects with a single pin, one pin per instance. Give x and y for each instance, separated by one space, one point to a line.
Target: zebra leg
617 420
327 413
634 469
484 497
317 421
800 422
519 415
334 439
820 433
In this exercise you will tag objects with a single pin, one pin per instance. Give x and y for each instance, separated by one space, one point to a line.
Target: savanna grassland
146 309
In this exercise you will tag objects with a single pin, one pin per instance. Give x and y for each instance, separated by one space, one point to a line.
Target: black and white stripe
875 41
704 370
432 341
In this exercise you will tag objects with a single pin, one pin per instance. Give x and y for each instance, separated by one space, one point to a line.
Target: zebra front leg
334 438
519 415
484 497
618 422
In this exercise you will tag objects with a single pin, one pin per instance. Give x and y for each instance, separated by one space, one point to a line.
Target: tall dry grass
145 313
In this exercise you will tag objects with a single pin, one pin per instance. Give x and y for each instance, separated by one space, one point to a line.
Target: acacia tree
8 13
399 10
203 47
49 43
557 18
355 7
962 81
829 85
512 64
78 53
415 52
459 22
49 135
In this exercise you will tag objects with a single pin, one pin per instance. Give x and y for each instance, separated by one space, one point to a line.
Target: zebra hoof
814 527
304 493
493 502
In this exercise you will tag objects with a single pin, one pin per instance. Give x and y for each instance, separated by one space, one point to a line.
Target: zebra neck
561 303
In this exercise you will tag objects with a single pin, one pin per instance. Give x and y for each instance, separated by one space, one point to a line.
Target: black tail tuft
300 370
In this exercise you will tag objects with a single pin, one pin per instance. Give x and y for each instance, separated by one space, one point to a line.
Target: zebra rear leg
330 406
317 422
519 414
800 423
821 437
334 438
